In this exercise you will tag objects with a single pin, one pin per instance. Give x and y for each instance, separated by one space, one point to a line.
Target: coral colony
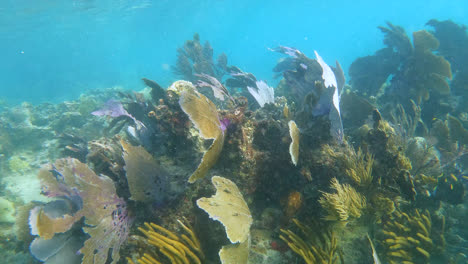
220 167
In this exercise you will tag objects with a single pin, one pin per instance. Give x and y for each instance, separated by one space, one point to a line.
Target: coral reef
396 167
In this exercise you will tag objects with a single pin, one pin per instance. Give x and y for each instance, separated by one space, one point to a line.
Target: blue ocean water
53 50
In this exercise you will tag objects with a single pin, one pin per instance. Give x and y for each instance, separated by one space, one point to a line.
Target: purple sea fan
114 108
106 218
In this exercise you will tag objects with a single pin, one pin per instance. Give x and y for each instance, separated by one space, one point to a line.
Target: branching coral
165 244
344 205
315 245
411 238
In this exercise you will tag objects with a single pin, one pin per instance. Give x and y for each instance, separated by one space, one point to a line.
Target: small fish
374 253
74 149
58 176
453 177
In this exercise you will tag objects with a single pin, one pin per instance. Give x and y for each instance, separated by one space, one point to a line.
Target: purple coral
95 199
114 108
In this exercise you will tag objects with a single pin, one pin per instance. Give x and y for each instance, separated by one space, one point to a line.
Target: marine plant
315 244
92 197
162 244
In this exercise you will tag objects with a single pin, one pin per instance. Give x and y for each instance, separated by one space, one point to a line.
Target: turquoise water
53 50
123 139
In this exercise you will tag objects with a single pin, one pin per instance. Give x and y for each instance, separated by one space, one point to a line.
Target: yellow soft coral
166 244
344 205
314 245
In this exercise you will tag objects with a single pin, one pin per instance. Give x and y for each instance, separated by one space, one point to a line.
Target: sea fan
94 198
264 93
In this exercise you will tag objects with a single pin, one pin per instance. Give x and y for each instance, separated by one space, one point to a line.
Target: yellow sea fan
204 115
